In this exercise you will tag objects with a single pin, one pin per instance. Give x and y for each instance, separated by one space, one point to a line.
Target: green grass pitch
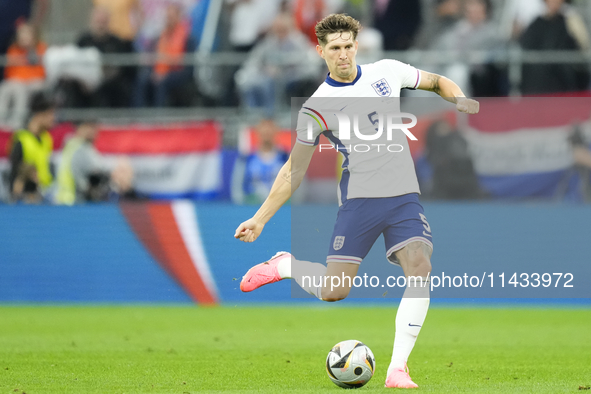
282 349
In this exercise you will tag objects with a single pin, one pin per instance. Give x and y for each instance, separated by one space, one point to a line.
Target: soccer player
368 208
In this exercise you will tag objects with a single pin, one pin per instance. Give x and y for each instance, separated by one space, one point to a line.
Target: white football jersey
376 164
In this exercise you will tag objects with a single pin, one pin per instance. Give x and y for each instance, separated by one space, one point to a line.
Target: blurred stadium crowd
248 57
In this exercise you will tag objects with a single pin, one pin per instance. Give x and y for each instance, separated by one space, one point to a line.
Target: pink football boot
263 274
399 378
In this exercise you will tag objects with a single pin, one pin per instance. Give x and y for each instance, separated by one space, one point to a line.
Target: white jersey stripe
418 79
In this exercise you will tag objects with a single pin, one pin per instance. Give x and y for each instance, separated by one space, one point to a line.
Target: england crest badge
338 243
382 87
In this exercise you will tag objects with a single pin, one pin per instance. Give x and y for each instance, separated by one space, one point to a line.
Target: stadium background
177 246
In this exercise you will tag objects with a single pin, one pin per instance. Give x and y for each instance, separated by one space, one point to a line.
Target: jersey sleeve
410 77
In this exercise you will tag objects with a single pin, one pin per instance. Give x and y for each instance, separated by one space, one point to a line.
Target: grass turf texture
283 349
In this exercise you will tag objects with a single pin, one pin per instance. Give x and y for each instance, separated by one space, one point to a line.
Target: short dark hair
40 103
336 23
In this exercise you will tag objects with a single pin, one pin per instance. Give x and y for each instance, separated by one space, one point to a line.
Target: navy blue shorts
361 221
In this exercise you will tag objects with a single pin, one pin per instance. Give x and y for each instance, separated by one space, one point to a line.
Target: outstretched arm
288 180
449 91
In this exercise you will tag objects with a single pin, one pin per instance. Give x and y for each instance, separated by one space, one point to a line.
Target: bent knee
415 258
333 299
334 296
417 266
421 267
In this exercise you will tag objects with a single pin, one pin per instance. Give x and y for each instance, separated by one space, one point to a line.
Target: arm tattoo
287 177
434 83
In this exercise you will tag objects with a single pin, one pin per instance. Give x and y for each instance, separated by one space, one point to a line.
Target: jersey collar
338 84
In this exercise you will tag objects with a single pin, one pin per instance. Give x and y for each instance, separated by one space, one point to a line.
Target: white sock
284 268
409 320
308 275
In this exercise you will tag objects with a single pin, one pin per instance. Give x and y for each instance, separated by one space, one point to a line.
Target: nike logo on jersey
413 325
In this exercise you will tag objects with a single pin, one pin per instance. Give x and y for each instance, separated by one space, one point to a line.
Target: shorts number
425 223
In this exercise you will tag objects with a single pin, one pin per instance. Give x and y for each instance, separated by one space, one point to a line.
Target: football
350 364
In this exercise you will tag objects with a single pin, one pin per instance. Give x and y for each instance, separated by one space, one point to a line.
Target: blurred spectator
306 14
560 28
73 74
254 174
153 19
519 14
445 14
271 67
359 9
115 88
124 17
248 20
447 152
24 75
475 32
79 161
371 45
244 22
121 185
30 173
14 12
168 78
399 22
83 174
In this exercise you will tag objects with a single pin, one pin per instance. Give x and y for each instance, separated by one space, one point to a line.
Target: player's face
339 54
47 119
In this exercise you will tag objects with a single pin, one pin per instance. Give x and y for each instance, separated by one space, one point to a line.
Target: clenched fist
468 106
249 231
